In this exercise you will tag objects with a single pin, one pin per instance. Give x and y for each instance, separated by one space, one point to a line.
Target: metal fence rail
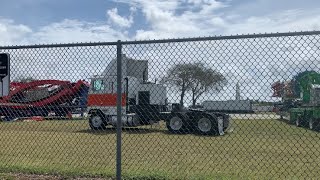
244 106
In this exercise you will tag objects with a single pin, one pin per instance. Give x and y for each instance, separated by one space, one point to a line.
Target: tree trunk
196 97
194 100
182 94
181 97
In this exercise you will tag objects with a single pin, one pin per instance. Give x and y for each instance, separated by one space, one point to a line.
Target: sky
255 64
64 21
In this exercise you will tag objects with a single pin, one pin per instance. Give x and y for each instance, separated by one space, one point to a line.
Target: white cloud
164 19
11 33
76 31
209 6
66 31
290 20
115 18
176 19
133 9
167 21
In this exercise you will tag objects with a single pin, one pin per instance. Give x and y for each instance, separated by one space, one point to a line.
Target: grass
6 176
256 149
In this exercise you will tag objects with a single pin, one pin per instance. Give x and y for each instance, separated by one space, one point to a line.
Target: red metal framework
39 97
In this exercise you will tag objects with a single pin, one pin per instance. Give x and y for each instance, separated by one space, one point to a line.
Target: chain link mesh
208 108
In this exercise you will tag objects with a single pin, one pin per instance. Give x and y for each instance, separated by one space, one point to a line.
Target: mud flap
220 126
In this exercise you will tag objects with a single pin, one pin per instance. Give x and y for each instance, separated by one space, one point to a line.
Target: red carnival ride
40 97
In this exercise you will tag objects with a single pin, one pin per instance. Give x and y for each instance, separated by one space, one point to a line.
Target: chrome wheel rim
96 121
175 123
204 125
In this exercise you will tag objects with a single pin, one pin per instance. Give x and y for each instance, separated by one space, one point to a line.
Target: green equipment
301 99
307 86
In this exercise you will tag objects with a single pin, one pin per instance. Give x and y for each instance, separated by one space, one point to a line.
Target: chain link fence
230 107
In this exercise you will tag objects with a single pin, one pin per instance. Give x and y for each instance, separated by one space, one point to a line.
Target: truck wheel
175 125
207 126
97 122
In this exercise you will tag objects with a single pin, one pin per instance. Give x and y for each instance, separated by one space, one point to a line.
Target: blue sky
63 21
24 22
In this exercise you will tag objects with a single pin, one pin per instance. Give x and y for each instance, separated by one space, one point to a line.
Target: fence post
119 97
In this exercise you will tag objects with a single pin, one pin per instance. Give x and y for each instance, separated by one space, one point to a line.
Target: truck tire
97 122
176 124
207 125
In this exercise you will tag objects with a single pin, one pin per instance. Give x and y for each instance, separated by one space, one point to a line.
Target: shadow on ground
126 130
137 130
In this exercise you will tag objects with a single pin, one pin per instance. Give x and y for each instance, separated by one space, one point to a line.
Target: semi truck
300 99
144 103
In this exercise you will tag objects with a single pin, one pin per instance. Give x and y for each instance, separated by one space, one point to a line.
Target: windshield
98 85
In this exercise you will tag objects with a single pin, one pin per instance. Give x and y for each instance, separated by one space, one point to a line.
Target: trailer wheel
175 125
207 126
97 122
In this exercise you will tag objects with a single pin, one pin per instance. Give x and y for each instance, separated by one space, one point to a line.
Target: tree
194 77
204 79
179 76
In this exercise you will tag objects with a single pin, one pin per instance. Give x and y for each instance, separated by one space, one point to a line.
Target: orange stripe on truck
105 100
